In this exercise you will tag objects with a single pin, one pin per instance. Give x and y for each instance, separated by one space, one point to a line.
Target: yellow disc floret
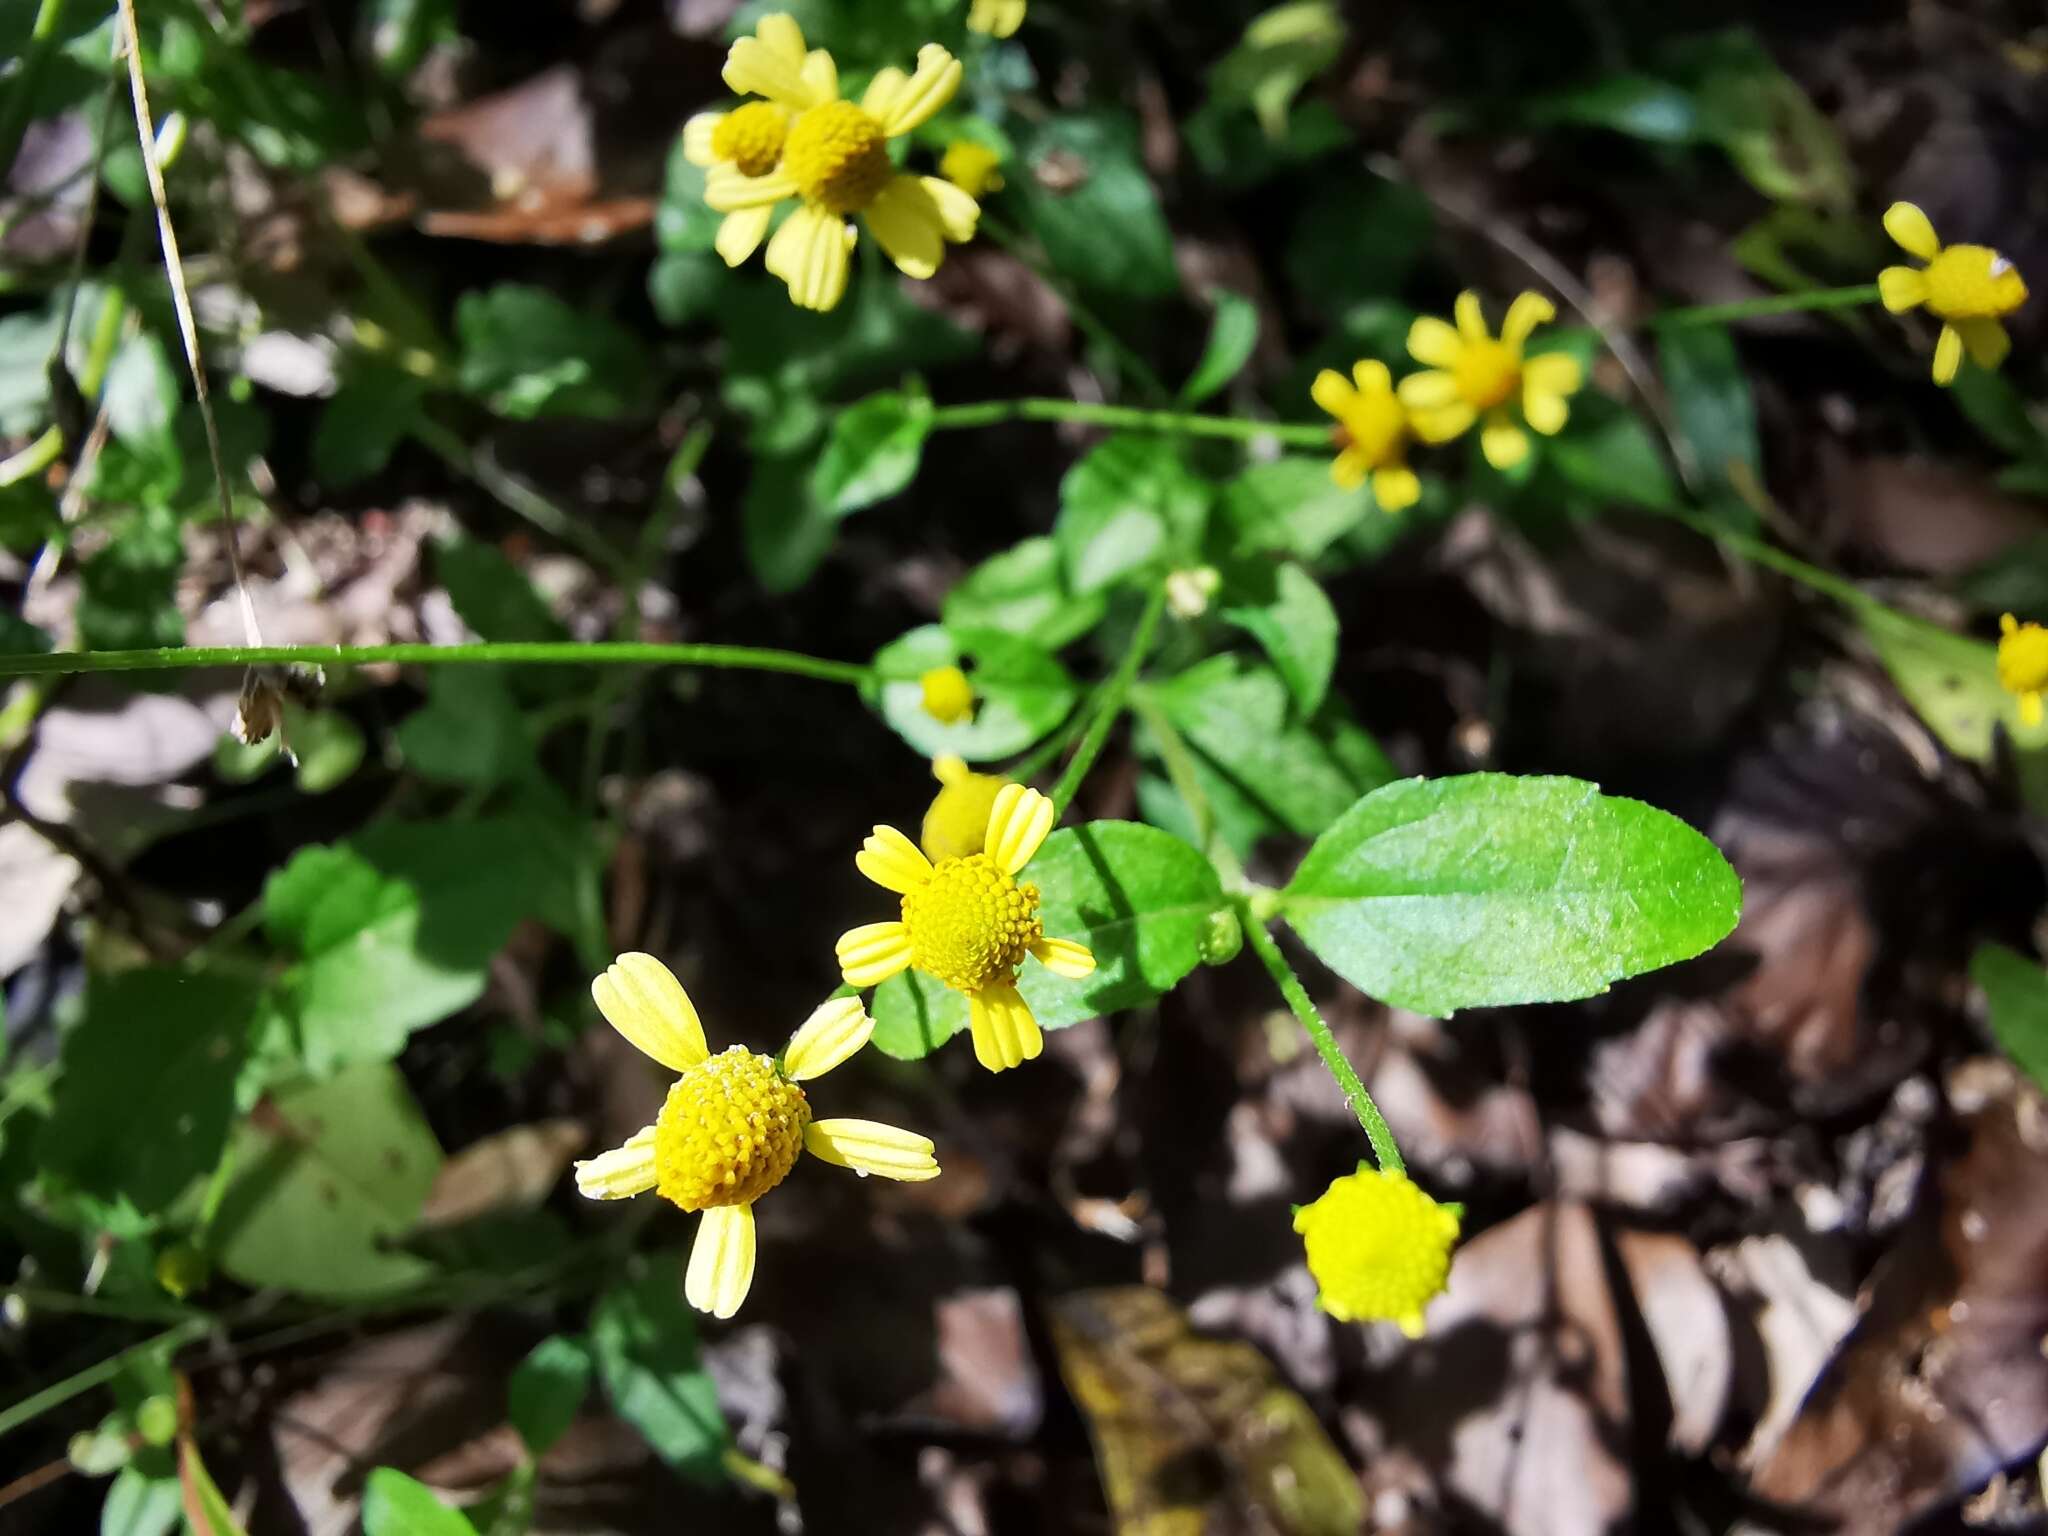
839 156
1488 373
731 1130
751 137
971 924
1379 1248
1973 282
2023 665
947 695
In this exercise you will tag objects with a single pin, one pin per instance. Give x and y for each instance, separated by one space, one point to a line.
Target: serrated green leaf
2016 996
1233 333
872 453
1487 889
1285 609
1021 692
644 1340
1130 504
396 1505
548 1389
149 1083
327 1177
1023 591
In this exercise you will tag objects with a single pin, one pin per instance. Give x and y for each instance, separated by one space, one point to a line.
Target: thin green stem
1109 702
1179 759
1376 1130
518 497
1775 304
36 1404
1127 418
522 652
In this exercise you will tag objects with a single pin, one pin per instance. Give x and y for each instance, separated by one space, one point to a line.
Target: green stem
1127 418
523 652
19 98
36 1404
1775 304
519 497
1369 1116
1109 703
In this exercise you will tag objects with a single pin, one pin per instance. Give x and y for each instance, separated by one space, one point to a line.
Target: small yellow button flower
2023 665
948 695
734 1124
1379 1248
968 923
972 167
1372 433
835 158
995 18
1473 377
1967 287
957 823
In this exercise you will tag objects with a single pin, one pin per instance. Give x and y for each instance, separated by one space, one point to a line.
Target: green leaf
1711 398
395 1505
128 588
138 1504
329 745
1636 105
1610 455
28 516
1292 506
1140 898
526 353
1021 692
547 1390
1103 226
645 1342
149 1083
788 530
1788 148
328 1177
2015 580
1232 336
469 732
1131 503
1281 51
1358 239
685 286
1284 608
873 452
492 595
142 400
1999 412
1262 762
1023 591
365 421
1952 681
397 926
1487 889
2016 994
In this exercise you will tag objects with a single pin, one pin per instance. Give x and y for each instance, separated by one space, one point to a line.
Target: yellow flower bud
1379 1248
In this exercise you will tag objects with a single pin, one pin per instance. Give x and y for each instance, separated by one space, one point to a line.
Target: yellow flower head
948 695
2023 665
835 159
968 923
747 142
1372 433
1379 1248
1967 287
734 1124
957 823
995 18
972 167
1474 377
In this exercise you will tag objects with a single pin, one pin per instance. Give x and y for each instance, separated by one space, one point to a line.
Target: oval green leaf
1021 693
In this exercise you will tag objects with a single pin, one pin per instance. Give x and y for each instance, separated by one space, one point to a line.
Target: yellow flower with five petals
1473 376
968 923
1372 433
1966 287
2023 665
835 159
734 1124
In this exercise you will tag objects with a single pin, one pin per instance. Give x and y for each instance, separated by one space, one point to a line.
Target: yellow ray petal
905 219
892 861
1005 1033
1371 376
959 213
1063 957
1350 468
870 954
641 998
1332 392
620 1173
821 75
721 1261
1396 488
901 102
728 189
697 134
1553 373
1434 343
1017 824
780 33
1545 410
1909 227
1443 423
1432 390
740 234
1902 288
2030 709
757 68
868 1146
838 1028
1527 312
1504 444
1985 341
1470 316
1948 355
812 252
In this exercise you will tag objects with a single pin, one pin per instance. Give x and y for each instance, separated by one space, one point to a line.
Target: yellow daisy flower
2023 665
972 167
1967 287
1379 1248
957 823
836 160
734 1124
968 923
995 18
1372 433
1473 377
748 140
948 696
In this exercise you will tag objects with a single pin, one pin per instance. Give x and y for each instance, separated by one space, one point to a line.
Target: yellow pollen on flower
970 924
839 156
1379 1248
1487 373
731 1130
752 136
1973 282
947 695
